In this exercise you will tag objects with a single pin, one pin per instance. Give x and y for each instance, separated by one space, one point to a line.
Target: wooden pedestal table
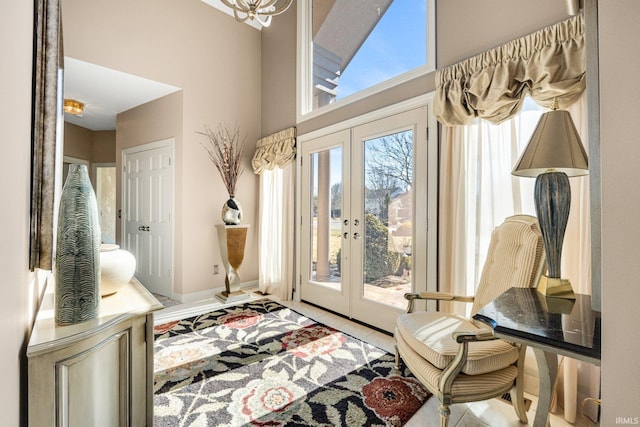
232 239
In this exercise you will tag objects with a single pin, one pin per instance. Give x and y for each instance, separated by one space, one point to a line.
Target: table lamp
553 154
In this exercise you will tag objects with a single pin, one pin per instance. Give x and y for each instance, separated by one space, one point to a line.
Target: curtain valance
546 65
275 150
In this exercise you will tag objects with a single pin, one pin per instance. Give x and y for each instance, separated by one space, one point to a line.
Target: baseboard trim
197 303
209 293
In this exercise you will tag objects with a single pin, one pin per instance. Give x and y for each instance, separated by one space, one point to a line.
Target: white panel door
147 213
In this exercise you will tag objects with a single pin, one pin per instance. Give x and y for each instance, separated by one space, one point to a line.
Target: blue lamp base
553 201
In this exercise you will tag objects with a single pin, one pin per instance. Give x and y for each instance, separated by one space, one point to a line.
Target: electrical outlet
215 269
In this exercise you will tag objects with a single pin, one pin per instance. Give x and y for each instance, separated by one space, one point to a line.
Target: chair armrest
453 369
480 335
438 296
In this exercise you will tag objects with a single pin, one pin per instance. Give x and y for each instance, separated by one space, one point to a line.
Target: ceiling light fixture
260 10
74 107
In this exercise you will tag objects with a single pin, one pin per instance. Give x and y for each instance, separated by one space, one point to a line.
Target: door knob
345 222
356 222
346 235
356 235
141 228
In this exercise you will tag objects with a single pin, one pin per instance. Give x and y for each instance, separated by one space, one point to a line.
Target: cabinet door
99 379
93 386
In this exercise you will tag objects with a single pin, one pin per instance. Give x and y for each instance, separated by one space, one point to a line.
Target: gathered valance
275 150
546 65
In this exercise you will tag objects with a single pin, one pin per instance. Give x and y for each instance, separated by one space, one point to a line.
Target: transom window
360 47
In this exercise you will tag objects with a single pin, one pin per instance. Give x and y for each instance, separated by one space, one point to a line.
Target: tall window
360 46
478 192
491 192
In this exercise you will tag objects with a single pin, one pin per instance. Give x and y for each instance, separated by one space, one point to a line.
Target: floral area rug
262 364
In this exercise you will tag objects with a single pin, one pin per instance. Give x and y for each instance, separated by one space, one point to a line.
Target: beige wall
77 142
619 51
279 73
217 63
103 146
89 145
467 27
16 27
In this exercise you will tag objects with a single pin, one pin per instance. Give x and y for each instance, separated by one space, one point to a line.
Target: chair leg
517 400
397 361
444 415
517 392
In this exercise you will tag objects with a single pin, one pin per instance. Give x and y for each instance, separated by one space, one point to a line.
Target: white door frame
164 143
96 189
431 183
318 292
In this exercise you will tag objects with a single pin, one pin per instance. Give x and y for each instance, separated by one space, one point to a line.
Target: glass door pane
326 211
388 225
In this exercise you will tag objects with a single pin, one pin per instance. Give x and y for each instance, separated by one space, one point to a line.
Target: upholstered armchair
458 360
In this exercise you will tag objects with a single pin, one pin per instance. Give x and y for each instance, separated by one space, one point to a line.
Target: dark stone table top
564 326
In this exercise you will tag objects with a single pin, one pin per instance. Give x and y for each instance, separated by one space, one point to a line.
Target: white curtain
277 202
478 192
273 161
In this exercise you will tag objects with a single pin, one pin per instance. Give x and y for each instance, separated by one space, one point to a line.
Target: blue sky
396 45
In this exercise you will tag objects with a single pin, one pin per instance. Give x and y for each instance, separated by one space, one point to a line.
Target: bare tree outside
388 245
389 171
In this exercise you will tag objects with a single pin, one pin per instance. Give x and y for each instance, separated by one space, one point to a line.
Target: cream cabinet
96 373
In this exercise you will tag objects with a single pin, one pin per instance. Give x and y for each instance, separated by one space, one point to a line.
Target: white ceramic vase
117 268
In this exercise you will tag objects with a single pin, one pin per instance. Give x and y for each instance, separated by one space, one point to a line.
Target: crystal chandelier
260 10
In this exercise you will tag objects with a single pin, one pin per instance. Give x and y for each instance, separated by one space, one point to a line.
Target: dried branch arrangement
225 151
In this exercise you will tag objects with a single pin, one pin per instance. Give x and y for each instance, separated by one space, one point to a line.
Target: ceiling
106 93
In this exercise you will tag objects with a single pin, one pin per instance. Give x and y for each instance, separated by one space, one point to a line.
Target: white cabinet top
131 300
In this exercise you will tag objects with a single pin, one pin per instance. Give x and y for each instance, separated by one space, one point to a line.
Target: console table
551 327
98 372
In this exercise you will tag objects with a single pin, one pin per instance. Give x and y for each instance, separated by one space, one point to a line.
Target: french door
364 218
147 213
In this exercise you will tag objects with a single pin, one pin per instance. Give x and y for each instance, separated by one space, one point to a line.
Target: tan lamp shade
554 146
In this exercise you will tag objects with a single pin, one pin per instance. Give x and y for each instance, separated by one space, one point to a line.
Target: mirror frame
47 117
